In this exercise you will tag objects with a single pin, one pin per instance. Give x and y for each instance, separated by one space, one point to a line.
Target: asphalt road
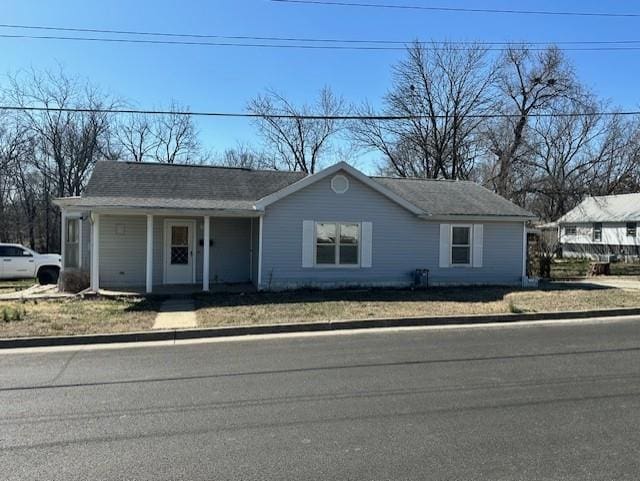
552 402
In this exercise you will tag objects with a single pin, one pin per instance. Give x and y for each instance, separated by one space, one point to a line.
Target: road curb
203 333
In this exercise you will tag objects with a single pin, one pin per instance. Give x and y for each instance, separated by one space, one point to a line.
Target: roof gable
341 166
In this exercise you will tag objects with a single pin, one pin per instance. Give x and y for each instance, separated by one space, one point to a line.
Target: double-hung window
597 231
72 246
570 230
337 244
460 245
632 229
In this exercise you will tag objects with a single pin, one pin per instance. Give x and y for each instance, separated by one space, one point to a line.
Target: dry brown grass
88 316
9 286
573 299
67 317
223 310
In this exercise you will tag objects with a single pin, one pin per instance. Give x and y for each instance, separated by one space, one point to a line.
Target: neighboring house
602 226
142 225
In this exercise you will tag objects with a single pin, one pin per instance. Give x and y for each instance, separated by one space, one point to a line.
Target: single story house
145 225
600 227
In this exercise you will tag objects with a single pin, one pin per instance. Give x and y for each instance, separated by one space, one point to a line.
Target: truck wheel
48 275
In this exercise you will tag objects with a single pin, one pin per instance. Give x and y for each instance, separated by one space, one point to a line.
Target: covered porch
165 252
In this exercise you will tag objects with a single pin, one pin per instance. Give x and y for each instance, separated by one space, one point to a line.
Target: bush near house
73 281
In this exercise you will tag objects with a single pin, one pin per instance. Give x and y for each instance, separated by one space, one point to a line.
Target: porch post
205 254
95 253
149 253
524 254
260 224
63 237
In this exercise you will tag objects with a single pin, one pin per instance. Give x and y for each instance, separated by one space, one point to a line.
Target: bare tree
297 141
168 138
561 157
63 144
69 142
439 94
136 138
176 138
530 83
616 158
13 138
243 156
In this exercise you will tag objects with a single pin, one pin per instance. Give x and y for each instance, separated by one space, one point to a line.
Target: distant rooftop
607 208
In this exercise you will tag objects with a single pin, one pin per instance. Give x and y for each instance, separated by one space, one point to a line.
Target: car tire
48 275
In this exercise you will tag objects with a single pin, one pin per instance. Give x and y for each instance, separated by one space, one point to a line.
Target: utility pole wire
302 39
462 9
304 117
285 46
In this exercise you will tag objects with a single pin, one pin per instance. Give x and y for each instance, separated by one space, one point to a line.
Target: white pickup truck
18 262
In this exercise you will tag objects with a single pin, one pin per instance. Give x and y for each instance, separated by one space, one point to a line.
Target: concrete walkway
176 314
36 292
617 282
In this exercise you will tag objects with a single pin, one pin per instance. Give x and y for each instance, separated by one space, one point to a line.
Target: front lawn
309 306
88 316
75 316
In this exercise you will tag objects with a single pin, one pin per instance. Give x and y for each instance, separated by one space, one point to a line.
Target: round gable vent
339 184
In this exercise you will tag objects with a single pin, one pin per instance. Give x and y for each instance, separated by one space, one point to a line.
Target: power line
286 46
461 9
299 39
305 117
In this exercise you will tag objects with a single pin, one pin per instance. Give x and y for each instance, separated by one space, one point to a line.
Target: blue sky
224 78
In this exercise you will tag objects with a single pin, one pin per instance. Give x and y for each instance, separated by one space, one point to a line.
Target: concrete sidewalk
176 314
614 282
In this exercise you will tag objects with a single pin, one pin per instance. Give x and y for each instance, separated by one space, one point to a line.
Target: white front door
179 251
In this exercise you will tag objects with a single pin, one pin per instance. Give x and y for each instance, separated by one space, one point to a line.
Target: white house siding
614 240
401 243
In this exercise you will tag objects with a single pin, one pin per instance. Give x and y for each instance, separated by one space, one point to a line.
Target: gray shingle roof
162 181
447 197
606 208
131 184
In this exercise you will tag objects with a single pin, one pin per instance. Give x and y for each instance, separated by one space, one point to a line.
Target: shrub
513 309
10 313
73 281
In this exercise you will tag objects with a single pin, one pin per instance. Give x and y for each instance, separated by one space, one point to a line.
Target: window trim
594 230
337 264
452 245
635 229
574 228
